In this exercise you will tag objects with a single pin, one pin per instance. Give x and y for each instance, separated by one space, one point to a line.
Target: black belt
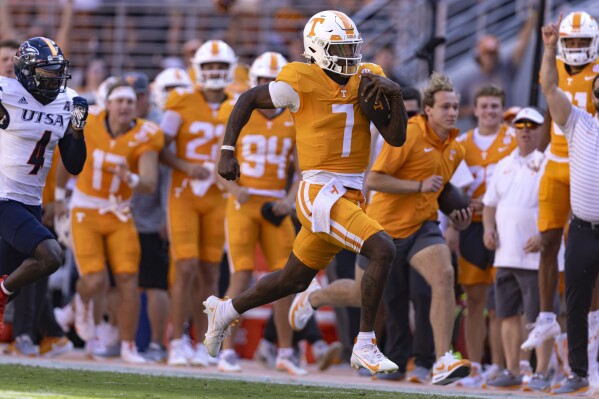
584 224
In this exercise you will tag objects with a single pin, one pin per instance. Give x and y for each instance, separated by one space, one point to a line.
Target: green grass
26 382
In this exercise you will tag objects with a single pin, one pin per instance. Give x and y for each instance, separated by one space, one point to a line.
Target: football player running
333 145
37 113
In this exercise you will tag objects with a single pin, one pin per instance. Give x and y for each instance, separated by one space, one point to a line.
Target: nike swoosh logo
587 78
370 366
455 365
502 149
288 124
428 149
440 367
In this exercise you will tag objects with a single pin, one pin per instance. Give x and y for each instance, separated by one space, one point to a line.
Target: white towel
321 207
201 187
119 208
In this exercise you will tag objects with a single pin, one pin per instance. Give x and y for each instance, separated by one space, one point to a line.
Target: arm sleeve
283 95
391 159
171 121
73 153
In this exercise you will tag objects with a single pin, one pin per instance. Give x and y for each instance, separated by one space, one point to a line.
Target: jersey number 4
38 155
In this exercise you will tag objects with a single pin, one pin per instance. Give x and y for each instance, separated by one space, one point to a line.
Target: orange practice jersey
579 91
200 129
264 149
332 133
422 155
105 152
482 163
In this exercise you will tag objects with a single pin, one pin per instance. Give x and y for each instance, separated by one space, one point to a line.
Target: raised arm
257 97
557 101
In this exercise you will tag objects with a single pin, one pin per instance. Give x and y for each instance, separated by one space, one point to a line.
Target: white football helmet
102 91
267 65
166 80
332 40
214 51
578 25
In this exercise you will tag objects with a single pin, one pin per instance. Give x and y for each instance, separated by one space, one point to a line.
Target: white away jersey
28 138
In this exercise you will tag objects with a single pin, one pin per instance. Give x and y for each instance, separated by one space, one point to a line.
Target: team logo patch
365 70
23 100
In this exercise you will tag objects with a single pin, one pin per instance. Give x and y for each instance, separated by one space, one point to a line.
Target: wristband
60 194
132 179
227 147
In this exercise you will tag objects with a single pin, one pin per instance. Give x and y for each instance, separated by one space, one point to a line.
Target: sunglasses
596 93
412 113
526 125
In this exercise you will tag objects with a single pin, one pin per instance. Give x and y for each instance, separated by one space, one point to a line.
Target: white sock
127 346
7 292
285 352
365 338
227 352
593 318
229 311
547 317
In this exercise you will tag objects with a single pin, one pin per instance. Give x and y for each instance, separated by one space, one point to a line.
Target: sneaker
327 354
55 346
84 319
200 356
573 384
24 345
129 353
228 362
506 380
491 371
420 375
560 346
526 371
301 310
289 365
218 328
102 352
107 334
266 353
475 379
3 302
155 353
65 317
538 382
449 369
370 357
177 355
393 376
540 332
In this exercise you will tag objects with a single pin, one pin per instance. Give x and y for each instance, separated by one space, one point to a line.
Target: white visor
122 92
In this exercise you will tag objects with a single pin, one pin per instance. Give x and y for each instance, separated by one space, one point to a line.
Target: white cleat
287 364
177 355
218 328
130 355
301 310
200 356
540 333
228 362
369 357
449 369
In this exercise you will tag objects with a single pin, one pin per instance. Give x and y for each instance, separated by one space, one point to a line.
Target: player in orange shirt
577 66
484 146
196 207
333 138
265 155
124 157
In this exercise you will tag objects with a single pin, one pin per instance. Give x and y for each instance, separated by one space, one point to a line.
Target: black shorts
153 267
427 235
21 231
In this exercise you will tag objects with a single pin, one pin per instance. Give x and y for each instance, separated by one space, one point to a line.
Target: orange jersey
422 155
105 152
579 91
332 133
482 163
48 193
198 135
264 149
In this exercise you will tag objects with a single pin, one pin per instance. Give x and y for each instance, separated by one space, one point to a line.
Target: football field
75 376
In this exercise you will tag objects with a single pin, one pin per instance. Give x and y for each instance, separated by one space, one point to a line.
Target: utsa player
267 145
577 65
333 138
484 146
37 113
196 208
124 152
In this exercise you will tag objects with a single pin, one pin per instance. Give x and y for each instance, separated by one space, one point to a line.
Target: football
378 113
452 198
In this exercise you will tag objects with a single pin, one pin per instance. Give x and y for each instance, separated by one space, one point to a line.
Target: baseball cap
138 80
529 114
